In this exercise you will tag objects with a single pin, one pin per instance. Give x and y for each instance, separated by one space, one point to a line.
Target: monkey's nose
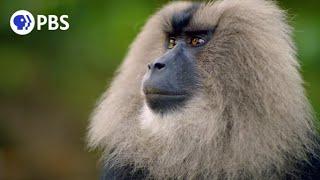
156 66
159 65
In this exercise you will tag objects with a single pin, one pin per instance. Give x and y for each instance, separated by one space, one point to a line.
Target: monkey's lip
161 100
158 92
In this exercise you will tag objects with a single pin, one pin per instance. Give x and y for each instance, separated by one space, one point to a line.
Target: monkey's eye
196 41
171 43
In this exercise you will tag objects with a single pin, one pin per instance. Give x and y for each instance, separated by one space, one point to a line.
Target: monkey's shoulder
306 171
310 170
123 173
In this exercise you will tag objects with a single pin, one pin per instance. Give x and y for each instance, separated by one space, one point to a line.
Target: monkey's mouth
160 92
163 101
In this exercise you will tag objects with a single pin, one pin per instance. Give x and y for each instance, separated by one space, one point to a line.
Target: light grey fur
250 119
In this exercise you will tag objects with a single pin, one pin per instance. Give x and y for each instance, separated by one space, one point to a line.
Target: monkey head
208 91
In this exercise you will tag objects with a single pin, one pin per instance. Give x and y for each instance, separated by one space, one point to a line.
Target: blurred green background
50 80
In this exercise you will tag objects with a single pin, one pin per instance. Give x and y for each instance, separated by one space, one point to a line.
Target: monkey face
170 79
173 78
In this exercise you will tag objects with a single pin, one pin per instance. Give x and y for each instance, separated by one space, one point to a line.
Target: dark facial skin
173 78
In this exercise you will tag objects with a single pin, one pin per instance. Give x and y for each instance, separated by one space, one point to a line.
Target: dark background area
50 80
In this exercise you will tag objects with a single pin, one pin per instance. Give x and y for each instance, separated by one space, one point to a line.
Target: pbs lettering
54 22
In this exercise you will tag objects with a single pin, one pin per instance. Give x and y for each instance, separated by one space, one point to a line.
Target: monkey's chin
164 103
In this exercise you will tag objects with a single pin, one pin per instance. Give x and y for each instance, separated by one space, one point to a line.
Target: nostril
159 65
149 66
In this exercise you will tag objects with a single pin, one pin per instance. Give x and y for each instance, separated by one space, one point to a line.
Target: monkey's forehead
179 16
190 16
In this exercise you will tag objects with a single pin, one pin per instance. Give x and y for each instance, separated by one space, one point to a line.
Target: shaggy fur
249 119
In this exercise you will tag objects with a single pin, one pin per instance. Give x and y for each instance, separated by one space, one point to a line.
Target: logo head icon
22 22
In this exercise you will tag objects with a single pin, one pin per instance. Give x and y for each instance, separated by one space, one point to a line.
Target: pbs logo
22 22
